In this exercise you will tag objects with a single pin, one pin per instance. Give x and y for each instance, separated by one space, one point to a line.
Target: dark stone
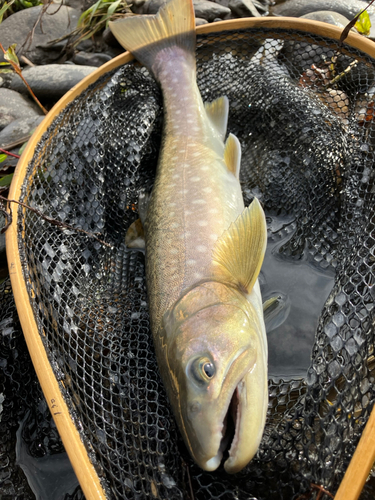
243 8
56 22
110 39
51 81
91 58
18 129
14 106
6 79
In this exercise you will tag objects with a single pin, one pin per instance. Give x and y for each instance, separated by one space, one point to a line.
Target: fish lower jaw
227 434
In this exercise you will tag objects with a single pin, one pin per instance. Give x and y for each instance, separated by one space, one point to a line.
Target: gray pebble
14 105
209 10
51 81
199 21
18 129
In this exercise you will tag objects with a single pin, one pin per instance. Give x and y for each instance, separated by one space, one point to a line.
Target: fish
204 251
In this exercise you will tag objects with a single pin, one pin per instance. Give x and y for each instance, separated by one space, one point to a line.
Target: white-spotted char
204 251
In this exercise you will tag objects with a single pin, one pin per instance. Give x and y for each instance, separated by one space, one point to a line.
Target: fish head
219 372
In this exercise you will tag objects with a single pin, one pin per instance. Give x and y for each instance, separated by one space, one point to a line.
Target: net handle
360 464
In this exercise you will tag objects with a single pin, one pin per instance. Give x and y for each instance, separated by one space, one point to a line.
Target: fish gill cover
306 129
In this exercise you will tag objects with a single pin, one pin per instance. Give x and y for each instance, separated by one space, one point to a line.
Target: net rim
88 478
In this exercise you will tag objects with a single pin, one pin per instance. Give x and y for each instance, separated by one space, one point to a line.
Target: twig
27 61
10 154
19 142
60 224
186 468
17 69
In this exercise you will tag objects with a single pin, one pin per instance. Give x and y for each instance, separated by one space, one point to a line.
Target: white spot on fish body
213 237
213 211
174 251
207 189
175 225
202 223
195 178
201 248
197 276
199 201
191 262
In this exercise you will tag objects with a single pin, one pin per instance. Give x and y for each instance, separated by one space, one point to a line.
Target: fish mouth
230 430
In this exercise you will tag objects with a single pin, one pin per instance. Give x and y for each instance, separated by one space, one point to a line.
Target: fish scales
195 197
203 255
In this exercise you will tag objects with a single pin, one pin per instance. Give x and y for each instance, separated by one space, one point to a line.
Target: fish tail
154 39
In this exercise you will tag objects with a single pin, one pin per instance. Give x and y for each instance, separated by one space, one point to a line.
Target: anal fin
238 254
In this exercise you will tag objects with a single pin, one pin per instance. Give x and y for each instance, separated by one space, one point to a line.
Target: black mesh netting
304 114
29 441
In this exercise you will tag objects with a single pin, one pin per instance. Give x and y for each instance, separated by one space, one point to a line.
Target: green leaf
22 148
3 157
11 55
111 10
6 71
363 24
4 64
3 10
6 180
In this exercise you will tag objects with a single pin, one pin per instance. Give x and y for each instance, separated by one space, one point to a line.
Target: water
291 321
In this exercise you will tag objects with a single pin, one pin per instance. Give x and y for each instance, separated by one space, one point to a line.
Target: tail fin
146 36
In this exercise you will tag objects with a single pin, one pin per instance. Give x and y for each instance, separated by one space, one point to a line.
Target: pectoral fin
232 155
217 111
135 237
238 254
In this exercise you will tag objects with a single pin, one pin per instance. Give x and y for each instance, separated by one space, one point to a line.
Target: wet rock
91 58
14 105
51 81
19 129
327 16
199 21
243 8
147 6
209 10
56 22
204 9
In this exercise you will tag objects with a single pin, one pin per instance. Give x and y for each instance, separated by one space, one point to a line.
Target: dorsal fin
232 155
238 254
217 111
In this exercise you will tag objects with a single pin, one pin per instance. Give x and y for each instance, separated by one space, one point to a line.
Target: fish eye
209 369
202 369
